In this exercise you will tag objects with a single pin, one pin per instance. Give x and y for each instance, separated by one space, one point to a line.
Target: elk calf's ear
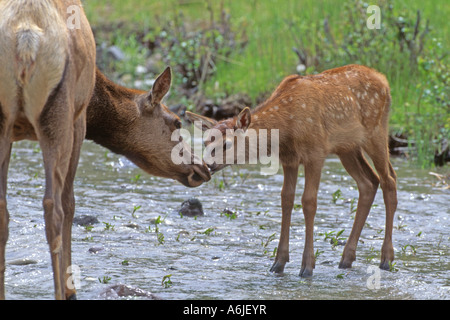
206 123
243 119
161 86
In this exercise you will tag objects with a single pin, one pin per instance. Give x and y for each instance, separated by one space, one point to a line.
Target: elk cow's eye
177 124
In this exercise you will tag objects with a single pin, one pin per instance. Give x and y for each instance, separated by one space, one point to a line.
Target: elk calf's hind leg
379 153
367 181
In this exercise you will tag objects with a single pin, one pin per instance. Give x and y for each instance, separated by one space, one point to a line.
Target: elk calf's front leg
287 203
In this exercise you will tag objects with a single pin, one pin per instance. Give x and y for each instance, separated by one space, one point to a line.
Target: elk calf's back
331 112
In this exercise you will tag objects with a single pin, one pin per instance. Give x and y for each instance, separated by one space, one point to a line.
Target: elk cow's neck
110 114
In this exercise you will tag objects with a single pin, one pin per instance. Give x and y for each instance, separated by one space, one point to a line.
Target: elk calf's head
227 141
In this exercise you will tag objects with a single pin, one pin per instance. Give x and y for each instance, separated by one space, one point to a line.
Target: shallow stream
140 238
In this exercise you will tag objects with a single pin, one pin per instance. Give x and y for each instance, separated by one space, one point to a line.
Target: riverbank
227 54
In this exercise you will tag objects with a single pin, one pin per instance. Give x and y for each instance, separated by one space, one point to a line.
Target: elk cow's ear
243 119
199 121
160 87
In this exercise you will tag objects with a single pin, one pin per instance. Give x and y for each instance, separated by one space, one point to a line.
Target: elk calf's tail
28 40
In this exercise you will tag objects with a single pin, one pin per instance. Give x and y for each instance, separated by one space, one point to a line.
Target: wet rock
338 242
85 220
443 156
191 208
132 225
398 144
21 262
95 250
122 290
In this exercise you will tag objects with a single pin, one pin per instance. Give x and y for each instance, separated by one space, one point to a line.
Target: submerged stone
191 208
122 290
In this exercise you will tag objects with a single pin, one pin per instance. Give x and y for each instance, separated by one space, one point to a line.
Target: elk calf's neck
342 111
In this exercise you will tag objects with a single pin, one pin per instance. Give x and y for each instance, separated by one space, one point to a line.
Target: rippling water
219 256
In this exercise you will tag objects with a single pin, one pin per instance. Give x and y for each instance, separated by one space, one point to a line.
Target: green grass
271 28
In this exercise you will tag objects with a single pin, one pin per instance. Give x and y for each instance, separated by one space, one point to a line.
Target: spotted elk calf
342 111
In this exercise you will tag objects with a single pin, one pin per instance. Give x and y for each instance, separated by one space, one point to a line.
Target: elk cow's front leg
309 205
287 203
5 151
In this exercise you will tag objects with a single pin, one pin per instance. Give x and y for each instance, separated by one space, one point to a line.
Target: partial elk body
47 79
138 125
342 111
47 75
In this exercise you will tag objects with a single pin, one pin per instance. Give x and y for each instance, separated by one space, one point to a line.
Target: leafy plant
335 240
105 279
166 282
208 231
337 195
135 208
229 214
160 238
108 226
136 178
412 248
266 243
392 267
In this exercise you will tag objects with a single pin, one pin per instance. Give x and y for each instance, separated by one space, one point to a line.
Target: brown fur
125 121
341 111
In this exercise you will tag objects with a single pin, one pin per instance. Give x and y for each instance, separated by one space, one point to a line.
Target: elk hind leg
367 181
68 202
378 151
55 134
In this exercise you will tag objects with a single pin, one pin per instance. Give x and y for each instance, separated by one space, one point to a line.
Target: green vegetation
166 282
219 48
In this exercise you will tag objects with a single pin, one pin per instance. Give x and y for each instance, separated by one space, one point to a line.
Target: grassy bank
247 46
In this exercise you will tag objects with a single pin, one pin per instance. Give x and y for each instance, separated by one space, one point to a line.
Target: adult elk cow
47 78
